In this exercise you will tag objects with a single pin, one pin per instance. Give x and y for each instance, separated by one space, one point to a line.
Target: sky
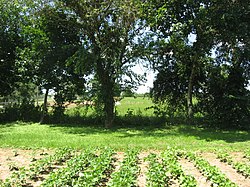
145 87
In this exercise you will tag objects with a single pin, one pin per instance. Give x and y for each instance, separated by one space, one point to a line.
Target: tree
108 31
10 40
225 96
51 39
179 60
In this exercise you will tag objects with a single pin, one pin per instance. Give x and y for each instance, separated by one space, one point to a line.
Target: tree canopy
198 49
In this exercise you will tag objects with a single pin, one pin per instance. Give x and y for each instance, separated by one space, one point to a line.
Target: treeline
199 50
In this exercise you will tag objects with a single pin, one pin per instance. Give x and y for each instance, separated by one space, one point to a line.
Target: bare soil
190 169
143 169
228 170
12 159
239 157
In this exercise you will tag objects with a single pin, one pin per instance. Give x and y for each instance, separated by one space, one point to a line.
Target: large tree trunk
109 111
190 112
108 100
107 94
44 110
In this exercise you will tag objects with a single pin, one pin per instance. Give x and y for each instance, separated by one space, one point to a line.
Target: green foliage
179 61
22 112
10 40
86 169
225 97
109 48
128 172
247 154
157 172
52 37
128 93
200 49
164 168
213 66
22 176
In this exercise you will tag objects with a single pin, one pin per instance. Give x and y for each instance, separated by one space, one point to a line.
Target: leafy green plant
21 175
247 154
17 179
99 169
72 171
128 172
165 167
156 175
85 169
224 157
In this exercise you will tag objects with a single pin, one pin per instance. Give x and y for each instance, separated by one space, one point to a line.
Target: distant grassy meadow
183 136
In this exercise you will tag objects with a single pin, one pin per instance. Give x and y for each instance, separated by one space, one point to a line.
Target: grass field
127 106
33 135
184 137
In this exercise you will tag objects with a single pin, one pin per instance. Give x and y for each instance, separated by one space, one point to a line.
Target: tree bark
190 112
107 92
44 110
109 111
108 99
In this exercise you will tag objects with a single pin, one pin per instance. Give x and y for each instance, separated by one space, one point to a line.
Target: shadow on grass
12 124
144 126
210 134
140 126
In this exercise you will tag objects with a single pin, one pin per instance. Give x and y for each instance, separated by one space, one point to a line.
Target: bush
23 112
226 100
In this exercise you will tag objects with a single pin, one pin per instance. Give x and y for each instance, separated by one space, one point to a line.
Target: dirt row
11 158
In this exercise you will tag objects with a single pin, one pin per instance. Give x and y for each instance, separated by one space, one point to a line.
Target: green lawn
184 137
144 133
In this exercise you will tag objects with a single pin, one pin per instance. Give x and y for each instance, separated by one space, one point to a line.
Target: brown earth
143 169
190 169
228 170
12 159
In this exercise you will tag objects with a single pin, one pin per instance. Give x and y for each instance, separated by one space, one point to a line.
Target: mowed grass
80 136
184 137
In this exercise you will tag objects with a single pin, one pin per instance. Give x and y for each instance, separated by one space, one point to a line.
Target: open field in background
127 106
138 106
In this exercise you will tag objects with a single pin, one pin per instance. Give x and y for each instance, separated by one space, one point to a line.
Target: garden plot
106 167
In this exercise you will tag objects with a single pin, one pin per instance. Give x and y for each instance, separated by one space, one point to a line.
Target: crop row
96 167
241 167
247 154
86 169
21 176
128 171
164 168
211 172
